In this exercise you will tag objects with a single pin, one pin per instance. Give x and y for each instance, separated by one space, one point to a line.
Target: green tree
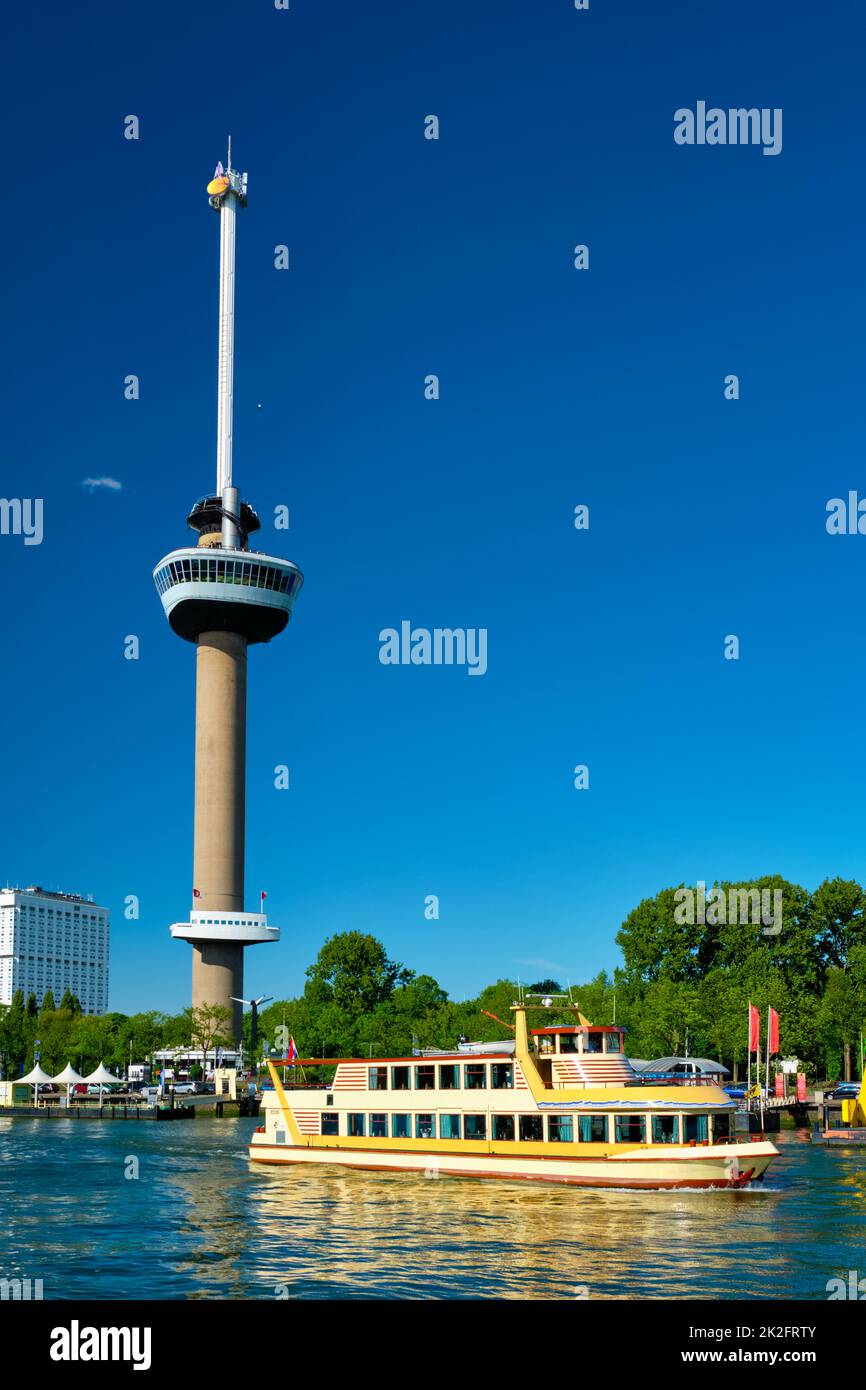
209 1027
353 971
837 918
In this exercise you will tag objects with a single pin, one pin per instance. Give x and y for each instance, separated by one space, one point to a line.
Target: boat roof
704 1066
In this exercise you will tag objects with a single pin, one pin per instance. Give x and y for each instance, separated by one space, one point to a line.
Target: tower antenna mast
230 192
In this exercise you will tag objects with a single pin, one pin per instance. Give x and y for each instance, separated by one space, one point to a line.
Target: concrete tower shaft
220 771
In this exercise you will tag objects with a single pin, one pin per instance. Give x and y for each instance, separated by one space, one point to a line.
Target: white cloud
93 483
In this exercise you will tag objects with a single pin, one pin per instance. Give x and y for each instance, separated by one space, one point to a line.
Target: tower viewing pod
224 597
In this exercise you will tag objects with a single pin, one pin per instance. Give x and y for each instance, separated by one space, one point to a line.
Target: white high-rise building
53 941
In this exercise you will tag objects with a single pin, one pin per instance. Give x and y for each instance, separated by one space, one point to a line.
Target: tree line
684 984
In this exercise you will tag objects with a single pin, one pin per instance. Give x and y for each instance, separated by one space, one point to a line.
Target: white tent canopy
69 1076
36 1077
101 1077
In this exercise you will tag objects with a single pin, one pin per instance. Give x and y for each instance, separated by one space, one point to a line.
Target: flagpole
769 1016
749 1051
758 1077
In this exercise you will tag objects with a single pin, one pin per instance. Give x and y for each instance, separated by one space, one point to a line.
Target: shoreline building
53 941
223 597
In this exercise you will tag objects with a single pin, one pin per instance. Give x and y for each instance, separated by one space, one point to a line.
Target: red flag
754 1028
773 1049
293 1051
196 893
780 1084
263 895
801 1086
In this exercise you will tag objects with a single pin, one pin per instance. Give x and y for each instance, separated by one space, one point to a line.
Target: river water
200 1221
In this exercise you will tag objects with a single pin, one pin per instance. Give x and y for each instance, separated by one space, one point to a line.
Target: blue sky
558 387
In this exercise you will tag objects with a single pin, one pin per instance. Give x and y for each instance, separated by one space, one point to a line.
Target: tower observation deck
224 597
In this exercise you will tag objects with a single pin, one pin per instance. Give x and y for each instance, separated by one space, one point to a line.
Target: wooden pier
217 1107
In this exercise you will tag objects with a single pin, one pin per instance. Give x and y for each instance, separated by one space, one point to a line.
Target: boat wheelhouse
559 1104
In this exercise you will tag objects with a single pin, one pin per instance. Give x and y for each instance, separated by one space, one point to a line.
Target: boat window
449 1077
501 1076
379 1126
630 1129
357 1126
401 1126
331 1123
425 1127
378 1078
722 1126
449 1126
696 1129
476 1076
614 1042
560 1129
568 1042
592 1129
425 1078
593 1042
474 1126
399 1078
531 1128
666 1129
503 1128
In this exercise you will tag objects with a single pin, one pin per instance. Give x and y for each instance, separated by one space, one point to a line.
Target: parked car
844 1090
184 1088
735 1092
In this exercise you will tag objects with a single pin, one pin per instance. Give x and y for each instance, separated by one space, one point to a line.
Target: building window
475 1076
474 1126
401 1126
695 1129
449 1077
665 1129
449 1126
592 1129
378 1078
379 1126
425 1078
630 1129
425 1127
501 1076
357 1126
331 1124
503 1128
399 1078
